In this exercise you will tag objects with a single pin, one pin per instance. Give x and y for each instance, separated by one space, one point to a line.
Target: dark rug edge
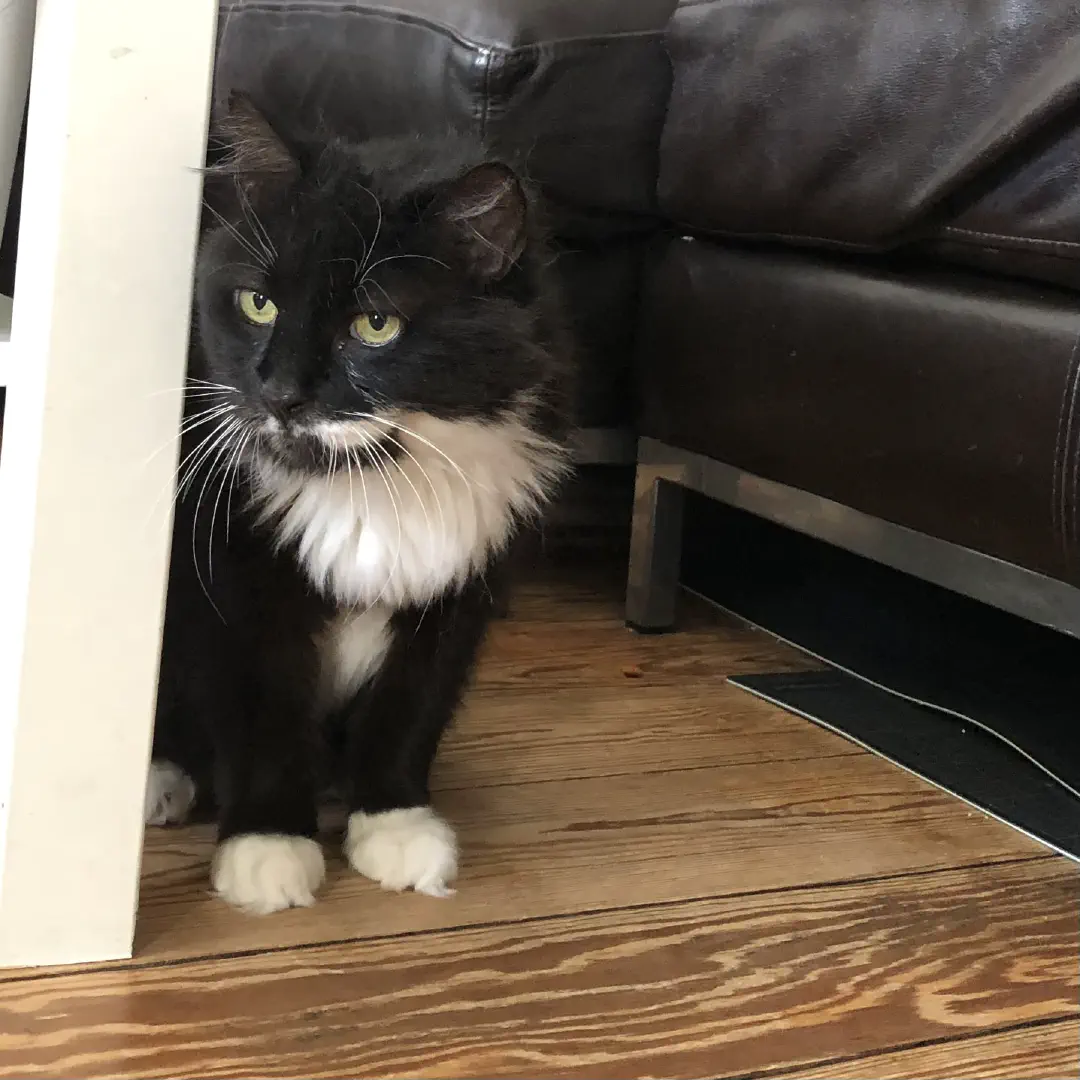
853 674
745 683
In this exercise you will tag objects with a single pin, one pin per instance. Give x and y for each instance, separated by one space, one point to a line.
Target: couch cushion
601 285
869 124
941 401
574 90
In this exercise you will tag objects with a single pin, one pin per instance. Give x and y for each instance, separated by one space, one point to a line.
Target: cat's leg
267 857
394 729
179 779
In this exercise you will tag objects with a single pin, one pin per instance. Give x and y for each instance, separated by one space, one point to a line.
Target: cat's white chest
404 529
352 650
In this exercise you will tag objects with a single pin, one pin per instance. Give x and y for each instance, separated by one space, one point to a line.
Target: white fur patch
402 849
403 531
260 872
352 649
170 794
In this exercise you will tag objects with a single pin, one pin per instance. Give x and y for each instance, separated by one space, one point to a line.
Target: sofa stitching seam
1019 241
396 15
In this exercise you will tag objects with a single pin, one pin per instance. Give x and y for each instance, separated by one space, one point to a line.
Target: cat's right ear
246 160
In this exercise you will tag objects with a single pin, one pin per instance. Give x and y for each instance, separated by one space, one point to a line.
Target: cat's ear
485 216
246 154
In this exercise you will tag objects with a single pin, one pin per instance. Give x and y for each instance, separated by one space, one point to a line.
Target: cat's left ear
485 214
247 155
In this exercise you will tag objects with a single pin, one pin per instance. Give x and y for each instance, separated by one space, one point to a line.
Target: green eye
374 330
256 307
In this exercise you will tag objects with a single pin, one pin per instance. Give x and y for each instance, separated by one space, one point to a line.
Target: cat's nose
283 401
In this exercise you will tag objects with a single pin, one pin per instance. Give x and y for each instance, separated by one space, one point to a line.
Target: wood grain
576 636
1043 1052
580 845
519 658
629 727
662 876
713 988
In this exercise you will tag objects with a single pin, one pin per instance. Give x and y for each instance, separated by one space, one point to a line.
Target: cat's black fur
435 233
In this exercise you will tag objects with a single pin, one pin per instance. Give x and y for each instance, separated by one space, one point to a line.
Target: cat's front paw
402 849
264 872
170 794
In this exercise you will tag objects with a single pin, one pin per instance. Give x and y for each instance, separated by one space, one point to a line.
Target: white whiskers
217 455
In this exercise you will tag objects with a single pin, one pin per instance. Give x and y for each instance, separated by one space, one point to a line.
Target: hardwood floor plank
1046 1052
554 656
714 988
588 644
579 845
605 730
663 876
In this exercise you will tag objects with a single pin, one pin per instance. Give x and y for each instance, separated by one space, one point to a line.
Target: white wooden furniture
117 123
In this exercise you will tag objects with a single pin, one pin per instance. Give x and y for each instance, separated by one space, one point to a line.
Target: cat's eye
256 307
374 330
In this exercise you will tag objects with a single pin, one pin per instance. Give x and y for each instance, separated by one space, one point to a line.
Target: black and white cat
379 400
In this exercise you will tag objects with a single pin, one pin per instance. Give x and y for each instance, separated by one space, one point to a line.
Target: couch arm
573 89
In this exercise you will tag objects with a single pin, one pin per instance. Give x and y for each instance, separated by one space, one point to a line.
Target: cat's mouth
324 446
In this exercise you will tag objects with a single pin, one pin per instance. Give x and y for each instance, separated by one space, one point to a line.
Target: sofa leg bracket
655 548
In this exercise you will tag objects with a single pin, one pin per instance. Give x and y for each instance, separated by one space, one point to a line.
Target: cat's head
341 286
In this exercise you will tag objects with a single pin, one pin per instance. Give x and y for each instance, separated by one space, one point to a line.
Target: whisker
194 381
193 421
251 428
363 487
431 484
223 470
419 498
222 447
205 448
390 491
235 232
349 474
183 468
392 258
331 464
262 237
470 482
193 391
375 239
389 298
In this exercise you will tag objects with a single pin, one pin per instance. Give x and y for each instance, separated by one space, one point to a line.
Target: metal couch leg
655 550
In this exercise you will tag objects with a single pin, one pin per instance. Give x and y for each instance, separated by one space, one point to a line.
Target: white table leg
117 127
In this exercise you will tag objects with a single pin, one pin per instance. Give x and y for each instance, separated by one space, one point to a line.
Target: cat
379 402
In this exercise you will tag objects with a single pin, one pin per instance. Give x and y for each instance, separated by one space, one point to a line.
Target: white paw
170 793
403 849
263 872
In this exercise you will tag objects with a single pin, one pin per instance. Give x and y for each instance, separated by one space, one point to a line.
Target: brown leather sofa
867 328
824 255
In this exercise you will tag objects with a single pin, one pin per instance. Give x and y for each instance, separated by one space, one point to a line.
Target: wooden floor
663 877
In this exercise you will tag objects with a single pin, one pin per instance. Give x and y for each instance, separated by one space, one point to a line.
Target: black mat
969 662
957 756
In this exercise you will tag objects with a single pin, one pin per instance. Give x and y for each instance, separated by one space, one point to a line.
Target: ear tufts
246 150
485 213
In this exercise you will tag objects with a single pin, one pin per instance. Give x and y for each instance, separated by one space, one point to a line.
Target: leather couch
823 255
870 315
